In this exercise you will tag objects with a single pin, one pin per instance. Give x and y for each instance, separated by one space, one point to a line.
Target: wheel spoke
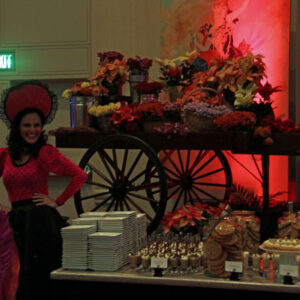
209 173
143 198
170 171
94 195
178 198
111 162
139 208
173 164
116 204
102 203
101 154
180 160
126 204
144 186
99 173
115 161
206 193
204 165
195 195
99 184
190 196
210 184
142 173
199 157
174 192
111 204
187 161
124 162
134 164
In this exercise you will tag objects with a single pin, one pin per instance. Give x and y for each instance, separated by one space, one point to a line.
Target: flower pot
79 106
175 93
148 97
103 124
133 80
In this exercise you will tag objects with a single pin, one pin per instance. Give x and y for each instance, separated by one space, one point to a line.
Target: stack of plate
119 225
131 215
141 230
75 246
104 251
93 214
86 221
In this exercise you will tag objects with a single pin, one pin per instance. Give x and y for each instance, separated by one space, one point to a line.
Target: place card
159 262
288 270
233 266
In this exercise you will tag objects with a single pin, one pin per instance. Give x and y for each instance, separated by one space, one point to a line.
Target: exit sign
7 61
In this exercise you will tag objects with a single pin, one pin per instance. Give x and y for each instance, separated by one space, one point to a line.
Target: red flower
175 72
267 90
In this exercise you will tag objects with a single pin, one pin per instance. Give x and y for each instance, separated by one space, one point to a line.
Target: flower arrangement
138 66
103 110
241 120
125 118
189 217
113 67
205 110
171 129
146 87
150 110
172 111
238 78
85 88
178 71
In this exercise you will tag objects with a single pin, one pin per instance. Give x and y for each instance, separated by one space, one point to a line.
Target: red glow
264 24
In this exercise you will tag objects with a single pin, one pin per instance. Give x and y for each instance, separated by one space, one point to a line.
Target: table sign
288 270
159 262
233 266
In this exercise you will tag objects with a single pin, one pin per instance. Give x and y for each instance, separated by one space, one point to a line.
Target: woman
25 166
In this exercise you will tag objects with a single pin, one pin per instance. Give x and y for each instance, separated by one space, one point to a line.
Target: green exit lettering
6 61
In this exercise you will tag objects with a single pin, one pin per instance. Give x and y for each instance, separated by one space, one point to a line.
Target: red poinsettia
267 90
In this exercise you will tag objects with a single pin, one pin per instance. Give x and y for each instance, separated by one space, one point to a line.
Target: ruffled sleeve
53 161
3 155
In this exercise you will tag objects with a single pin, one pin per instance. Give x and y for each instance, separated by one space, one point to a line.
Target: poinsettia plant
195 216
152 110
146 87
137 65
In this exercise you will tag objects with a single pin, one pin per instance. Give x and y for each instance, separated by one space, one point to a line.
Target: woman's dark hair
16 143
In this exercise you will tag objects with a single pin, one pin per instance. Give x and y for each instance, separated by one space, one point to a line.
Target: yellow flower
85 84
92 110
67 94
181 58
244 96
189 54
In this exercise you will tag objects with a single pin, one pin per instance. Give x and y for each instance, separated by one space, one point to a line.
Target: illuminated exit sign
7 61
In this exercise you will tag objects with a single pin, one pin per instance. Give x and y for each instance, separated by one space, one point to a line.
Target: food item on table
282 244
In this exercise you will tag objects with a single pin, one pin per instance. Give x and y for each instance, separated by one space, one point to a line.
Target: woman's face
31 128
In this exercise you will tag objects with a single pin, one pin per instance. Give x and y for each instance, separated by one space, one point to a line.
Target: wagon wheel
194 176
117 165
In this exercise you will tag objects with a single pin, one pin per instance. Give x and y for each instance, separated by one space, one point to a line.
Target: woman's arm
53 161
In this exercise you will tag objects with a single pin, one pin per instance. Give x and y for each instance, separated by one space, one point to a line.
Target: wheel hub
187 181
118 190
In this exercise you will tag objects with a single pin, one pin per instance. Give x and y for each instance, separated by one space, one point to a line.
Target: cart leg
265 222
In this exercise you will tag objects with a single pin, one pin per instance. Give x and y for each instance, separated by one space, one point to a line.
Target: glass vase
134 79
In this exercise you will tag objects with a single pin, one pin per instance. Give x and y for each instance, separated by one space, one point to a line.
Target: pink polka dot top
22 181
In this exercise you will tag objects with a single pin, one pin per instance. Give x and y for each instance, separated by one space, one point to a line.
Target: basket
149 125
197 124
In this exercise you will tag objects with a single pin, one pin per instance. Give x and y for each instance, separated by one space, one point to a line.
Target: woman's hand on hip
41 199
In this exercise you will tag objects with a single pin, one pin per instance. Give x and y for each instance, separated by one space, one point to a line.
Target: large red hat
31 94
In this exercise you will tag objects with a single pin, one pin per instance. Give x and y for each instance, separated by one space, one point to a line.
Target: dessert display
186 255
282 244
250 227
225 243
289 226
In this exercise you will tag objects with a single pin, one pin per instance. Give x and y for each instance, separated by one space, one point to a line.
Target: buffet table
132 283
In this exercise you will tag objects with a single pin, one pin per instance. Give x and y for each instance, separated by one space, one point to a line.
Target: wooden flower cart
133 169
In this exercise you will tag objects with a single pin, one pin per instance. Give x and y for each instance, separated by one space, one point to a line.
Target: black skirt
37 232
